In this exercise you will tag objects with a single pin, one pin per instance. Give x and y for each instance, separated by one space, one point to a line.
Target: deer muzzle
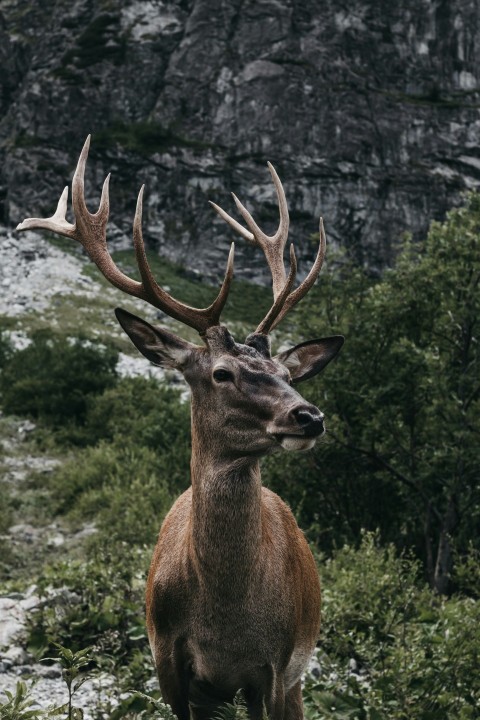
310 420
299 428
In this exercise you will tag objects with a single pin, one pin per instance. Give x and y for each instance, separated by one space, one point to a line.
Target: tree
403 399
53 378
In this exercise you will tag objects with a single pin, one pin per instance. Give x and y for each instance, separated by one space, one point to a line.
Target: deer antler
90 230
273 247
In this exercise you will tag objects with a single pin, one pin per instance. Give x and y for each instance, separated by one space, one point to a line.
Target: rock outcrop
369 110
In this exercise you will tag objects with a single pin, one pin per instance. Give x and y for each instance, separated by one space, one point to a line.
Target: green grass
74 315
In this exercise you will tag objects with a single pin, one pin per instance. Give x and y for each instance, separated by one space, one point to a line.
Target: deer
233 593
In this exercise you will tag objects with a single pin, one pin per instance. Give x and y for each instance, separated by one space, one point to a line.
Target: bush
129 480
390 647
97 602
124 489
54 377
6 349
144 412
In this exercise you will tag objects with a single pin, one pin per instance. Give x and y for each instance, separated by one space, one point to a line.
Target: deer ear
158 345
309 358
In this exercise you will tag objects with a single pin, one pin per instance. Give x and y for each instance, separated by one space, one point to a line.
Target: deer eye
222 375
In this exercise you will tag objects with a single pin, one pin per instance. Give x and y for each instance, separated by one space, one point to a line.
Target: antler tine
305 286
269 320
90 230
272 245
233 223
199 319
282 232
57 222
260 238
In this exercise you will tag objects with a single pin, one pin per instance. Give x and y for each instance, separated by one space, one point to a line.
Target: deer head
243 400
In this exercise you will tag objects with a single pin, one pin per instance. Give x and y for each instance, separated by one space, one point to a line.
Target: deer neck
226 514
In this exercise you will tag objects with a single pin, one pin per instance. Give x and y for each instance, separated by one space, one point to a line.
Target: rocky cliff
368 109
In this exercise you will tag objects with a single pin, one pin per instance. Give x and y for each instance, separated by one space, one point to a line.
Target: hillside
369 111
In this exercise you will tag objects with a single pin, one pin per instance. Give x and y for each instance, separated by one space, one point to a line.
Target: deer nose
310 419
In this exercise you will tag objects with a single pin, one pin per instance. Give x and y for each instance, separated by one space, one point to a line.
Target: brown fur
233 596
234 615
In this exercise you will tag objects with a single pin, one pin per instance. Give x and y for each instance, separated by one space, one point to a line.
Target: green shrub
142 707
467 572
76 669
145 413
53 378
378 588
6 349
18 704
129 480
97 602
390 647
122 487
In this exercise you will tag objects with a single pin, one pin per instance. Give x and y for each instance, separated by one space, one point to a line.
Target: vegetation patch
144 138
100 41
43 380
26 140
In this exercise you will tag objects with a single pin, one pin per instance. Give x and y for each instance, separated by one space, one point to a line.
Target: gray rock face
369 110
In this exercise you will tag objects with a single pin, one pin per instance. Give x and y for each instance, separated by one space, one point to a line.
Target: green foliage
98 601
74 674
146 413
128 481
467 572
390 648
143 707
378 590
145 138
402 402
123 488
236 710
233 711
54 377
18 705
